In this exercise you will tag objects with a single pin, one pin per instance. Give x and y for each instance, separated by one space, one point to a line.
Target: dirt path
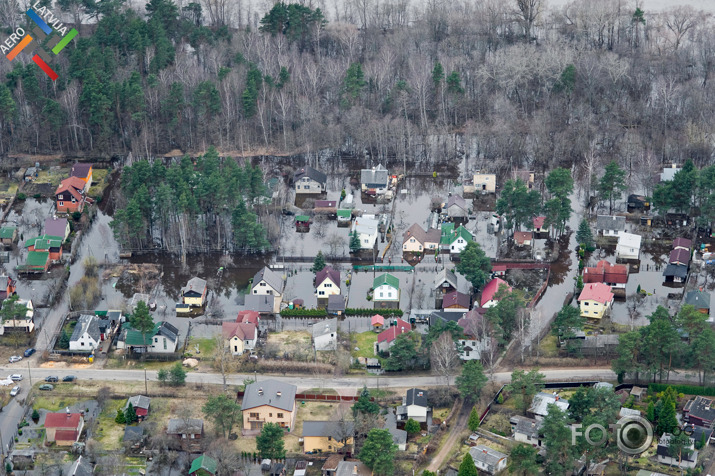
453 434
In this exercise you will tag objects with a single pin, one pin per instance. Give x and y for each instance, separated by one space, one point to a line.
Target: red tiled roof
455 298
523 236
66 435
491 289
377 320
605 272
62 420
141 411
539 222
248 316
242 330
498 267
73 185
598 292
391 334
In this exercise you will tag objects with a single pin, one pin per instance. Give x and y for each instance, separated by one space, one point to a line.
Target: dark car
52 378
69 378
29 352
45 386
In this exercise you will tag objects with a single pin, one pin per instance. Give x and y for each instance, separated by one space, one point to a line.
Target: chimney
260 391
67 409
278 393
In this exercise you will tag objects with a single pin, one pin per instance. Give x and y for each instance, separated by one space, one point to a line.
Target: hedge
654 388
348 312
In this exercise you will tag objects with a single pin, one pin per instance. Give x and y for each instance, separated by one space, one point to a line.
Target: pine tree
318 263
354 242
64 340
584 236
467 468
120 417
130 414
473 419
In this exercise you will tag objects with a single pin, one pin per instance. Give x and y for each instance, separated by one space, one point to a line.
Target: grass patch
52 403
382 392
321 391
108 432
549 346
207 346
117 363
99 182
8 189
365 343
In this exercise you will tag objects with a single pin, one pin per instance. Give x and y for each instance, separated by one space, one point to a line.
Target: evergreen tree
354 242
522 460
612 184
472 380
142 321
120 418
473 423
270 442
64 342
467 467
474 264
130 414
412 427
584 236
177 375
378 452
318 262
364 405
667 419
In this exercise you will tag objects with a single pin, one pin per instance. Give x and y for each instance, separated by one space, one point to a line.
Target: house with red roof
595 299
539 228
70 195
682 243
490 291
455 302
523 238
241 336
614 275
63 429
386 338
84 173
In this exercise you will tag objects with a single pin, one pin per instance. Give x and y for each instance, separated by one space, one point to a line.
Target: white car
15 358
16 377
15 390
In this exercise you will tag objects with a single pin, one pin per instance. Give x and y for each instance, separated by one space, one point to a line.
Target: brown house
69 195
189 432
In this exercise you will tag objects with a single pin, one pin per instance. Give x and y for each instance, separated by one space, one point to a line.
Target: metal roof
269 392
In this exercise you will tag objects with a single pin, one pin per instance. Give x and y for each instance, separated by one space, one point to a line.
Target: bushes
284 366
304 313
86 293
686 389
348 312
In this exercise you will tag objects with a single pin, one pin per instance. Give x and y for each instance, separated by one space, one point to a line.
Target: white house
308 180
488 460
27 324
374 181
669 173
241 336
325 334
687 459
610 225
327 282
269 283
540 404
526 430
455 240
163 339
629 246
86 335
414 405
386 291
366 228
471 349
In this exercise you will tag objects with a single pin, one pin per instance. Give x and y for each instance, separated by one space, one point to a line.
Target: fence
318 398
383 268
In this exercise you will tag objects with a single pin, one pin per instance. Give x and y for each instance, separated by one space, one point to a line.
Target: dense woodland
516 80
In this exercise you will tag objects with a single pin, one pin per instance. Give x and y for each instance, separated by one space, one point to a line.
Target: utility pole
29 373
146 388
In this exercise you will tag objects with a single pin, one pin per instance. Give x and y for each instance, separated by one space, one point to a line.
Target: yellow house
485 183
327 436
595 299
194 293
417 240
269 401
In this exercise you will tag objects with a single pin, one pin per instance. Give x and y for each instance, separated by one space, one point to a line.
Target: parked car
52 378
29 351
69 378
15 358
16 377
46 386
15 390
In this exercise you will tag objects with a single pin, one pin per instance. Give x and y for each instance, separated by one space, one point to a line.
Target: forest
506 83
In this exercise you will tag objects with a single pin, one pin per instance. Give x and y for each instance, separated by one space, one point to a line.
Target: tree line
505 84
200 205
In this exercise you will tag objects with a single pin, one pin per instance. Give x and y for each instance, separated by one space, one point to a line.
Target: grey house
308 180
374 181
86 335
610 225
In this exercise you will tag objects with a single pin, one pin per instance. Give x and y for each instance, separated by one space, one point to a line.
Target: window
183 436
156 340
466 353
279 415
270 415
585 303
82 344
389 294
381 295
307 187
73 200
261 283
330 438
164 343
321 293
366 241
420 247
328 285
235 348
253 416
61 204
192 436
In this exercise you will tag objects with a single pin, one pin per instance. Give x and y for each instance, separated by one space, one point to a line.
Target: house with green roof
344 217
37 262
8 235
163 339
386 292
455 240
203 466
49 243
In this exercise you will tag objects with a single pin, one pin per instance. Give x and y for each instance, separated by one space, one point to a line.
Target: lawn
53 403
109 433
381 392
321 391
53 176
548 346
207 346
365 343
99 182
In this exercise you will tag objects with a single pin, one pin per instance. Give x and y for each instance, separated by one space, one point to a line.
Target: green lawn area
548 346
207 346
365 342
52 403
53 176
381 392
109 433
99 182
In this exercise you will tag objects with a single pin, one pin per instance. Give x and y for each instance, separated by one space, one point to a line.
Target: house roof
135 338
676 270
528 427
310 172
328 273
485 455
260 302
521 237
386 278
352 468
80 170
698 299
630 240
331 464
7 232
325 204
63 420
327 326
611 222
664 449
460 232
272 278
179 426
335 429
242 330
139 401
204 462
377 320
682 243
541 401
56 226
447 276
455 298
344 213
45 242
248 316
416 396
416 231
37 258
605 272
81 467
458 201
374 176
491 289
390 334
88 324
168 331
538 222
669 173
302 218
73 185
635 198
133 433
196 285
446 230
700 407
598 292
269 392
679 255
365 225
66 435
336 302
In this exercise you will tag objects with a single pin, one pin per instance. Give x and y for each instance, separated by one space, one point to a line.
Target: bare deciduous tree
444 357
